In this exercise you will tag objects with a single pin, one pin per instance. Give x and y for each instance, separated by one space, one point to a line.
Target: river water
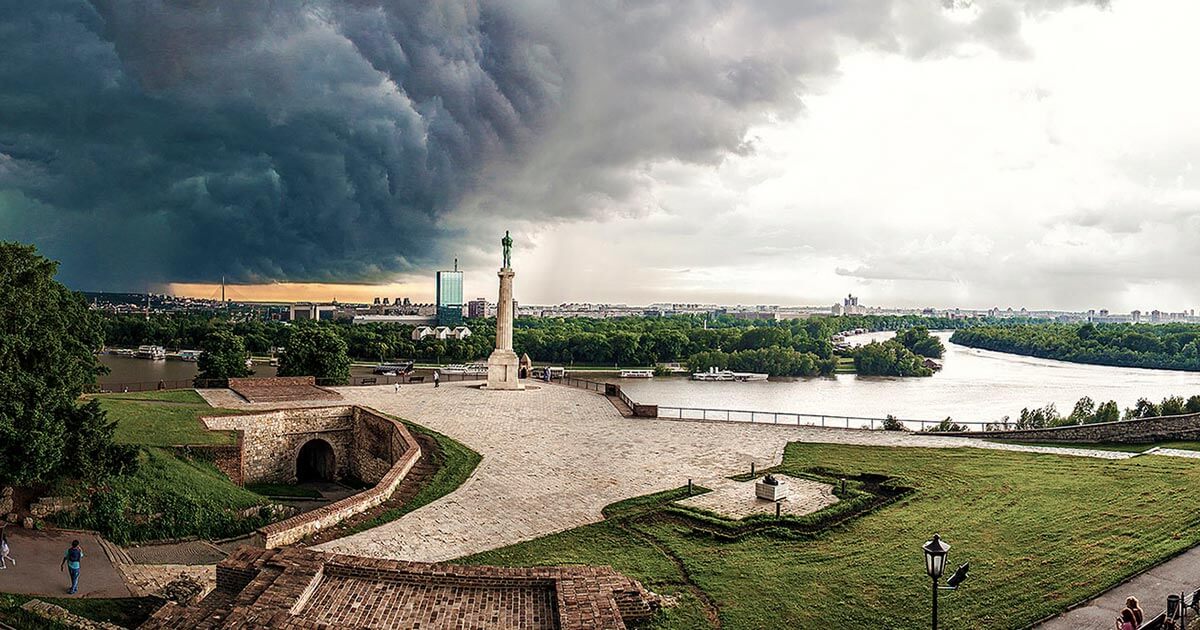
973 386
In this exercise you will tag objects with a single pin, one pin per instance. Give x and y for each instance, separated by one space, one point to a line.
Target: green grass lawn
1041 532
126 612
1112 446
166 418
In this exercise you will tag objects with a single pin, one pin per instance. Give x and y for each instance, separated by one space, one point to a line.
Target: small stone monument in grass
771 488
503 365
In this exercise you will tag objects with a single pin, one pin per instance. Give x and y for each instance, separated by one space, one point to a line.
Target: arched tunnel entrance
316 461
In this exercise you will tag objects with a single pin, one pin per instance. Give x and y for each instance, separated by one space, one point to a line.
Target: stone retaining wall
1140 431
384 463
226 457
271 441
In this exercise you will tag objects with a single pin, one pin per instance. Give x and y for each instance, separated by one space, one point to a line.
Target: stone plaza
554 457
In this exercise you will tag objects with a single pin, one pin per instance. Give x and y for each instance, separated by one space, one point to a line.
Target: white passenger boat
151 352
637 373
459 368
713 374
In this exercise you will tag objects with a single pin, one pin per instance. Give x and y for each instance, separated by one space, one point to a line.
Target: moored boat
151 352
637 373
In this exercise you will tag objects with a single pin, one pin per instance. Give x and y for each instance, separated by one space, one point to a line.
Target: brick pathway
1177 575
555 456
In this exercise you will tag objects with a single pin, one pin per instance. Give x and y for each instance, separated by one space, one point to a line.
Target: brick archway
316 461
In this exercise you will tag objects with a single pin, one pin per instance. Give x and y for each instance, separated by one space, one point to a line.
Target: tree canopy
224 356
1164 346
316 351
47 360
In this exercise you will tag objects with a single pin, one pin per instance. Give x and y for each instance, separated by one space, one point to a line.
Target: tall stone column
504 312
503 364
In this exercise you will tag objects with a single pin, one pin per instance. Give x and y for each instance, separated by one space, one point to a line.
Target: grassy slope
1041 532
194 498
163 418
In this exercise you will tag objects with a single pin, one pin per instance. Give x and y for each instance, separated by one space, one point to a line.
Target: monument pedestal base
503 371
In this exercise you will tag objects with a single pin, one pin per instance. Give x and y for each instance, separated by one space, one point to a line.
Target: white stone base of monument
770 492
503 371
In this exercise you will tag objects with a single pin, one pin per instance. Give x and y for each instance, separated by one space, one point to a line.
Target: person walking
397 388
5 552
437 378
71 561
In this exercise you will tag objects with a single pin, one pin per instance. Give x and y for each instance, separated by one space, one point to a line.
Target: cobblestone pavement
183 553
736 500
150 579
555 456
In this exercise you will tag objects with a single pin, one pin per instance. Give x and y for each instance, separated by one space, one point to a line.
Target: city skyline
966 155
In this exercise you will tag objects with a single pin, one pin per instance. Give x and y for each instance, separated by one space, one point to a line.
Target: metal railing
592 386
801 419
355 381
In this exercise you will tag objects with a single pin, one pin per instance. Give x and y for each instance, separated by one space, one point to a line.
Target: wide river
974 386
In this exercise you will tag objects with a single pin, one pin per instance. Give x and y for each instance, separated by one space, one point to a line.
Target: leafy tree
1171 406
919 341
48 338
891 423
947 425
624 347
889 358
1107 412
224 356
1192 405
1084 411
316 351
1144 408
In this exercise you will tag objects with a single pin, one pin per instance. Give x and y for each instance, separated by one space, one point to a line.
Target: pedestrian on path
5 552
71 561
437 378
397 388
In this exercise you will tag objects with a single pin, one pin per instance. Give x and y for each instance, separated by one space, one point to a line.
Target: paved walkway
38 554
555 456
1178 575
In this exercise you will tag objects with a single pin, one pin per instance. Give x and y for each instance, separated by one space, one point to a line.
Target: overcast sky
1036 153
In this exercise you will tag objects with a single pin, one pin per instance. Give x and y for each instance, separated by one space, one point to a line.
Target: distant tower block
503 365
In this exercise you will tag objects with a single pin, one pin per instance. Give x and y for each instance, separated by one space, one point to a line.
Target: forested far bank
567 341
1157 346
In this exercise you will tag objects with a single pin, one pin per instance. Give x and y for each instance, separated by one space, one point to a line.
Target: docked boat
190 355
459 368
713 374
154 353
393 369
637 373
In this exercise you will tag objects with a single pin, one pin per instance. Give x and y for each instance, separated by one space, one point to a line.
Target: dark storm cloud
328 141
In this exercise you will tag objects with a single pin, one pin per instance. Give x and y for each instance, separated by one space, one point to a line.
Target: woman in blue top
71 561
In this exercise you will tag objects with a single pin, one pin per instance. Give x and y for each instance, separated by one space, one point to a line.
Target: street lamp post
935 564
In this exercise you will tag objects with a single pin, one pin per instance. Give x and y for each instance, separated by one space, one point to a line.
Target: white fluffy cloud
1050 164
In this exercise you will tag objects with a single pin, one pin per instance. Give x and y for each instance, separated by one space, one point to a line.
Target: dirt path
38 555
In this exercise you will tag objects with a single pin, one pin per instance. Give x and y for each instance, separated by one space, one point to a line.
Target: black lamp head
960 575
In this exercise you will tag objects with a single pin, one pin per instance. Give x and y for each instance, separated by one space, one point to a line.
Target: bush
890 423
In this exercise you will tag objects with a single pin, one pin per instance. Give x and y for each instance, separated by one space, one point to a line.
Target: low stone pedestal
504 371
771 492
